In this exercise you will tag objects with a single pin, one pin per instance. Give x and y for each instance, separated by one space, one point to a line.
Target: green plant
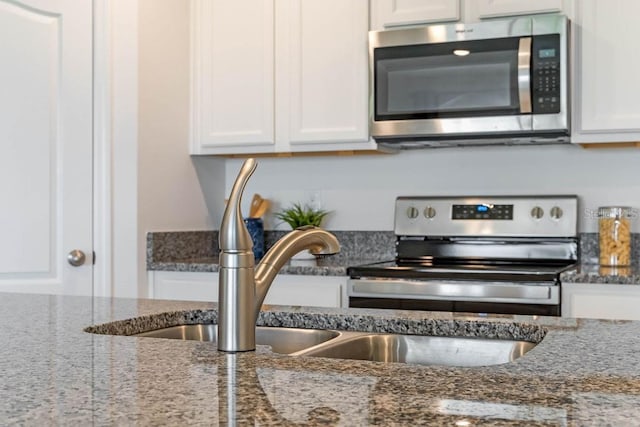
298 216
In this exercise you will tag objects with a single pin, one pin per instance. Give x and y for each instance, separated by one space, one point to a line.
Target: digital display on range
484 211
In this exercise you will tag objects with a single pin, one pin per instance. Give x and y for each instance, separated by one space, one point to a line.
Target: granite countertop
196 251
583 372
603 275
325 266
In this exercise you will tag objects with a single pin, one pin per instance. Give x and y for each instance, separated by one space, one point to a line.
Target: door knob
76 258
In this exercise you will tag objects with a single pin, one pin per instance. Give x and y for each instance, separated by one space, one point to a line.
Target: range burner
457 254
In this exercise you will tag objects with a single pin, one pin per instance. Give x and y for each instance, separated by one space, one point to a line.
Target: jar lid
614 211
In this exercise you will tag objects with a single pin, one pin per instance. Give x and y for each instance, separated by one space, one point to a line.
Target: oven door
461 81
531 298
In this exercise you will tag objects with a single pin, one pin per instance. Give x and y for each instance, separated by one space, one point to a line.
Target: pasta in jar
614 226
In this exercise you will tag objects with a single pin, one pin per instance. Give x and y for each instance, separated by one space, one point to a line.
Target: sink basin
422 350
281 340
376 347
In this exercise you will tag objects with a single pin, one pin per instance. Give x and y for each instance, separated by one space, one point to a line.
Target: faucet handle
234 236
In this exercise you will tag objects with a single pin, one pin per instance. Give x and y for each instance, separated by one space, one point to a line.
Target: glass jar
614 225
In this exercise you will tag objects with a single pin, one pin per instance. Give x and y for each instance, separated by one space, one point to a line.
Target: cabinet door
311 291
232 74
393 13
606 86
187 286
322 75
287 289
495 8
595 301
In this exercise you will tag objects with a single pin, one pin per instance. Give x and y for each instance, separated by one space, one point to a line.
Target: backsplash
372 245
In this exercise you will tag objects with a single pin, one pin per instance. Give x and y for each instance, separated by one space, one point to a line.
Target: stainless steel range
490 254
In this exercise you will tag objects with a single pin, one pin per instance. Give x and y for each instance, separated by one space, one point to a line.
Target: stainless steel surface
241 288
378 347
524 74
76 258
422 350
449 290
522 225
517 27
453 128
281 340
518 129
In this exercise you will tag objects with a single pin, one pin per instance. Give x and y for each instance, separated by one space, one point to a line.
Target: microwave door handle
524 74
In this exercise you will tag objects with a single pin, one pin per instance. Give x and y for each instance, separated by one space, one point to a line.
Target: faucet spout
242 288
316 240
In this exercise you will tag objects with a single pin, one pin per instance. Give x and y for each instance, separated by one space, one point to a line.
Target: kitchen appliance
489 254
503 81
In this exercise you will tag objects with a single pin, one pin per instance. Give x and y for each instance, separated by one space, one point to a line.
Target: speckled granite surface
596 274
584 372
197 251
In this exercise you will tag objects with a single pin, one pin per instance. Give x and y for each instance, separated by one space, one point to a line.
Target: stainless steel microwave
503 81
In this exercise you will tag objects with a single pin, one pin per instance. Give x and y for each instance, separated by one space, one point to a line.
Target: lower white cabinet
596 301
315 291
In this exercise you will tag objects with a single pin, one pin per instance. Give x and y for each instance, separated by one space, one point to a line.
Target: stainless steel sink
376 347
422 350
281 340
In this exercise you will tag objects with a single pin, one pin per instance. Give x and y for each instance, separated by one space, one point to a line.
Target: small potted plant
299 216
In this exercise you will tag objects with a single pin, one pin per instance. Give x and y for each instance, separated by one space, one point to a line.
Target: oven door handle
524 74
455 291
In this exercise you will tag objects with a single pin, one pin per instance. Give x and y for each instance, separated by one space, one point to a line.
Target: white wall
169 193
361 190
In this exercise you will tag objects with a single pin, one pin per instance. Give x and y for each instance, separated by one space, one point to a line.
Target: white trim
102 159
115 221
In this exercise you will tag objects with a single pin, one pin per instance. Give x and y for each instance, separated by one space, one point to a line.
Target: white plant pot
304 259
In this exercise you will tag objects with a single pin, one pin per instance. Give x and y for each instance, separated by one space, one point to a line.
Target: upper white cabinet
498 8
606 88
322 75
393 13
232 76
279 76
386 14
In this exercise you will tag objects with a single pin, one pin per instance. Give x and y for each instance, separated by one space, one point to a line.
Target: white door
45 145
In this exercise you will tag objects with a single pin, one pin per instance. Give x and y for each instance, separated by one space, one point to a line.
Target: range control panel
482 211
487 216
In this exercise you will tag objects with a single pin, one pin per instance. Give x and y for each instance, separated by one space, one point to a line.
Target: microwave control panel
545 63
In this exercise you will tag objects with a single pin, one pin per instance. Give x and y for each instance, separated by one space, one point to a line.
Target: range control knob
556 212
429 212
412 212
537 212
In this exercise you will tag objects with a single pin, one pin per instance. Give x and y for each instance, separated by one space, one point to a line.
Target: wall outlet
315 201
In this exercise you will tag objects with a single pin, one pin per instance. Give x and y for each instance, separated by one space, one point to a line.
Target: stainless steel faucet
242 288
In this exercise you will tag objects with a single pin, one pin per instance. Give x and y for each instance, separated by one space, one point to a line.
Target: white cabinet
499 8
313 291
393 13
322 75
601 301
281 76
606 87
232 76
